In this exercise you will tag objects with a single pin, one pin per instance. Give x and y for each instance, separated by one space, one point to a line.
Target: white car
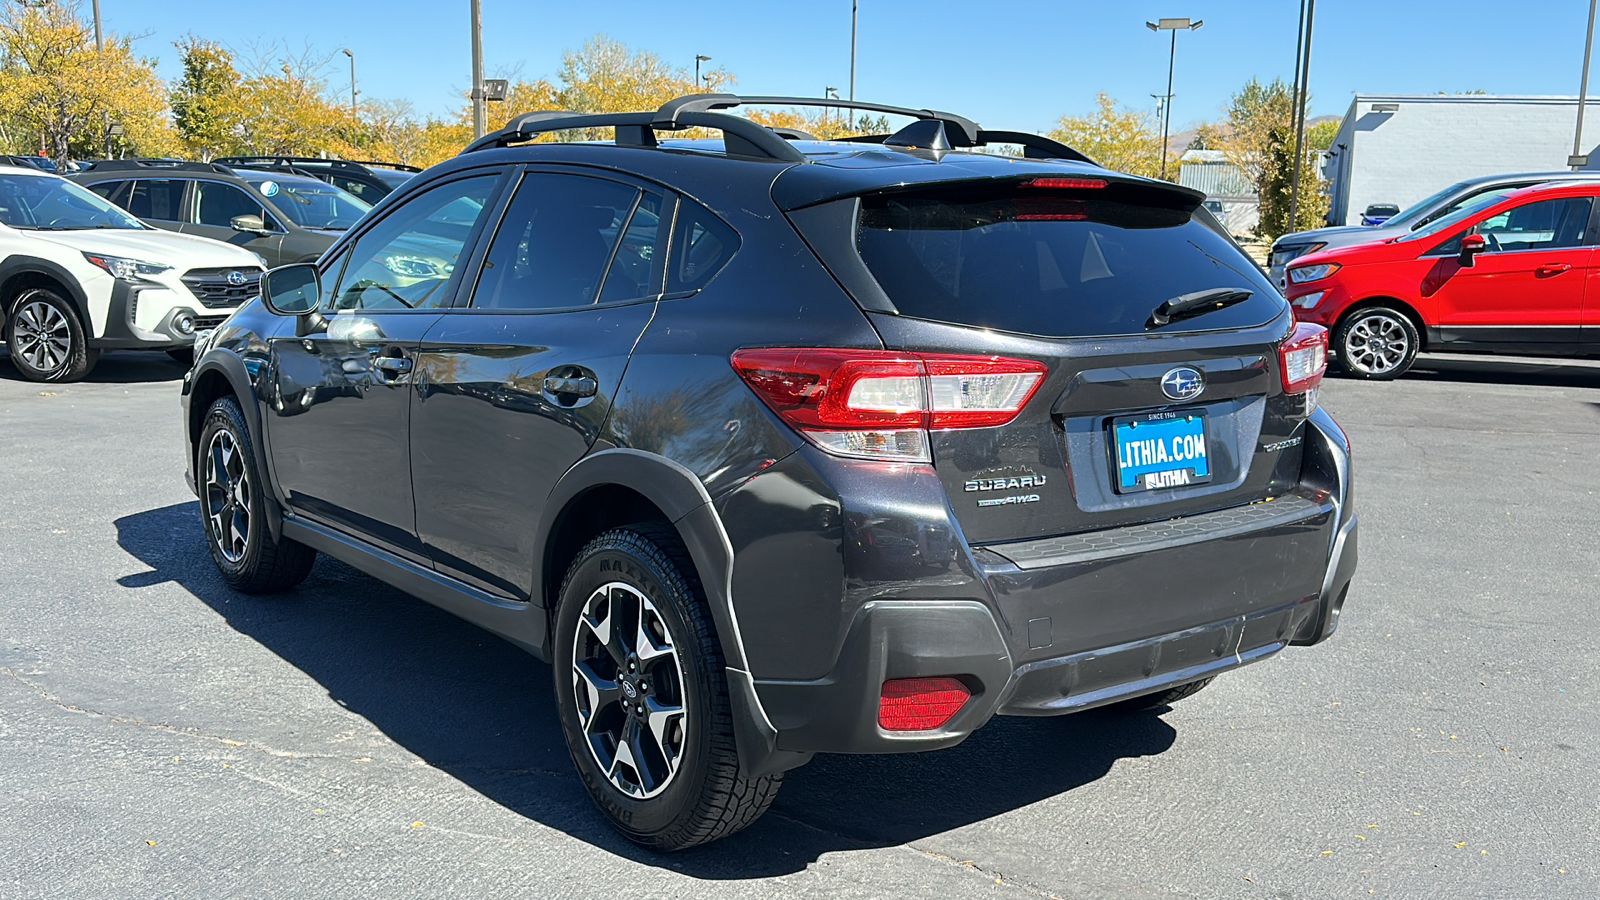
78 275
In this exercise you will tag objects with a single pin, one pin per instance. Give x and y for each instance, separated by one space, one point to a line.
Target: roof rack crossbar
1035 146
741 136
179 165
673 109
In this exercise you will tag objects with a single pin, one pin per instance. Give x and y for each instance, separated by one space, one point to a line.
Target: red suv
1505 275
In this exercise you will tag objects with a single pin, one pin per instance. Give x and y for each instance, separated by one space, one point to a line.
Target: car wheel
642 697
232 509
1376 343
1162 698
47 340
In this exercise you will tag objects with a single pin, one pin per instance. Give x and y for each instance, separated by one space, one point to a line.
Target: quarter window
559 235
406 261
701 245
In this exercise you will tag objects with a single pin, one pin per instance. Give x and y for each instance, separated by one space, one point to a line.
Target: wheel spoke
597 693
645 643
661 721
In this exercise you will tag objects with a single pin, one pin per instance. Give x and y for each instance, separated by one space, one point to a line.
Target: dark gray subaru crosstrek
776 446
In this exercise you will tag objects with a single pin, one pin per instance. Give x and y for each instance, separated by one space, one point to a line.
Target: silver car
1291 246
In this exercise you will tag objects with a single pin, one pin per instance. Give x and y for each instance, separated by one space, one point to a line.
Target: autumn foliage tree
1119 139
1261 142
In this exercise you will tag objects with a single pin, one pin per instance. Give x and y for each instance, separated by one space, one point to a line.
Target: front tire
1377 343
46 339
642 696
232 507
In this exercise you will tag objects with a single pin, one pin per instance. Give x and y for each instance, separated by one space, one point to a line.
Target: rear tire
46 339
642 697
1161 699
1378 343
232 509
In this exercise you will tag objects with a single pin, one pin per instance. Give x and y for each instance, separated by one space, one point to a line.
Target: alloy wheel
1376 344
628 685
43 336
229 498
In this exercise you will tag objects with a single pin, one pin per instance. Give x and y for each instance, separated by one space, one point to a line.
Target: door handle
391 367
1551 268
578 386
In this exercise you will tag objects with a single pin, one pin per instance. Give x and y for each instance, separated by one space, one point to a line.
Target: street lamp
698 59
477 70
1577 160
830 93
1174 26
352 81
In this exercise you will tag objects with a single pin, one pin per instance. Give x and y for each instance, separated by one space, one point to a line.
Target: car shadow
1532 371
117 367
481 710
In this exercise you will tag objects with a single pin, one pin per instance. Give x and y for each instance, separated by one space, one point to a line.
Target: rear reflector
920 704
880 404
1304 357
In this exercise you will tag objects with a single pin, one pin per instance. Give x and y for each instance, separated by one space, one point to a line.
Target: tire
46 339
1378 343
678 784
184 355
231 501
1162 699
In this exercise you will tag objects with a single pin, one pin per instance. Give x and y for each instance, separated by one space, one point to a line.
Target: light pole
853 9
1577 160
698 59
100 47
477 69
1301 76
352 82
1174 26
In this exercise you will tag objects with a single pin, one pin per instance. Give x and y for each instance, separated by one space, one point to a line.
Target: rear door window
1054 262
156 198
219 203
110 190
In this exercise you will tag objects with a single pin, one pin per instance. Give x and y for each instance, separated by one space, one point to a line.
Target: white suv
79 275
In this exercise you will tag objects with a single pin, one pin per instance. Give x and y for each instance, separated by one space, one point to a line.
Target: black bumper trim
1090 546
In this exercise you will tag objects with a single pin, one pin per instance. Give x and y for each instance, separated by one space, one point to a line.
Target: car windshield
41 203
1424 206
313 204
1454 219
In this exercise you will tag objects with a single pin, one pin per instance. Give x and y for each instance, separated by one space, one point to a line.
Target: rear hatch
1137 419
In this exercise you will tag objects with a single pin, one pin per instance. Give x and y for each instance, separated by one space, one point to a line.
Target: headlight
126 269
1313 273
1283 254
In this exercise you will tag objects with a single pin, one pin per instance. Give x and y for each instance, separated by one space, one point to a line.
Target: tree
60 94
205 101
1261 142
1122 140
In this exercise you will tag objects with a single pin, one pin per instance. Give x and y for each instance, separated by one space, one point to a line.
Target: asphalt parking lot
161 736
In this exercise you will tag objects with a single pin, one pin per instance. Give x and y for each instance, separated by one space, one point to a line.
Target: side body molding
678 493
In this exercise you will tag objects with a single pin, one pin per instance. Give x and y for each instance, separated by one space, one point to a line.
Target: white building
1228 192
1399 149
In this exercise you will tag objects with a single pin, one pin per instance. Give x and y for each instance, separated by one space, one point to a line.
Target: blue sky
1015 64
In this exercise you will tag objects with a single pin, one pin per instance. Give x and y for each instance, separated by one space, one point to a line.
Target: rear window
1054 262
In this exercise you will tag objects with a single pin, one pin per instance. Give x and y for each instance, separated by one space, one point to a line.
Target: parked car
1293 246
776 447
79 275
285 217
42 163
1379 213
371 181
1504 275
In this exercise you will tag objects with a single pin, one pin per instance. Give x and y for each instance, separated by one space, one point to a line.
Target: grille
212 288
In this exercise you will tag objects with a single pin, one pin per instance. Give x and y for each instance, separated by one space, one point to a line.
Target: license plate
1160 450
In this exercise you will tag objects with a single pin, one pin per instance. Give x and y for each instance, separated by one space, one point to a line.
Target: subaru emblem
1183 383
236 278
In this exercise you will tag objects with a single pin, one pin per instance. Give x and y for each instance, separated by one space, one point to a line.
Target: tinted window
219 204
407 259
358 189
701 245
156 198
37 203
554 243
109 189
1554 224
1055 262
312 204
636 267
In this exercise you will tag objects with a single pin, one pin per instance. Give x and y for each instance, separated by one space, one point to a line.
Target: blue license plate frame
1160 451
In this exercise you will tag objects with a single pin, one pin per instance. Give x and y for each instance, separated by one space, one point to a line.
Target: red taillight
1303 358
880 404
1067 183
920 704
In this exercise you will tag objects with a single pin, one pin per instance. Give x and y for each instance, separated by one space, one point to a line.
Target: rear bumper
1057 626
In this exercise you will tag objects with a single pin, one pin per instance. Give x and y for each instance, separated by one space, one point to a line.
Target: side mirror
248 224
1471 246
292 290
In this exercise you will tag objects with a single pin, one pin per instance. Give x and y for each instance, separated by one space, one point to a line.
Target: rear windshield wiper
1196 303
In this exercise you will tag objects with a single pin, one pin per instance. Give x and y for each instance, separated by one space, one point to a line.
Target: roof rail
740 136
312 160
670 111
179 165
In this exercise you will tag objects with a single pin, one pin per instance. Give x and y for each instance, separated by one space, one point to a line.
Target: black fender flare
683 498
19 264
231 368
